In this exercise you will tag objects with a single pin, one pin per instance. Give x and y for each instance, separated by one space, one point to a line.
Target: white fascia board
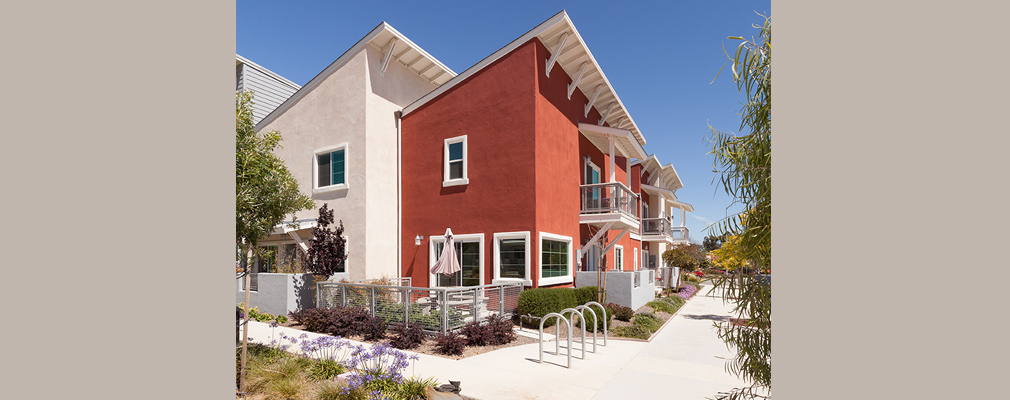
682 205
338 63
636 150
660 191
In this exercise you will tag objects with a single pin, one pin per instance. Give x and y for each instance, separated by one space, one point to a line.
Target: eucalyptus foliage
743 165
265 191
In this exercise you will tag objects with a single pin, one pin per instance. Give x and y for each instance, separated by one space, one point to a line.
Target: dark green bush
542 301
600 317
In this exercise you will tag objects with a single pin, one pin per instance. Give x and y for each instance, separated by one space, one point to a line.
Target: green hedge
542 301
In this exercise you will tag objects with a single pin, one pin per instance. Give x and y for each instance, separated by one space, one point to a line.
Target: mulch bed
428 346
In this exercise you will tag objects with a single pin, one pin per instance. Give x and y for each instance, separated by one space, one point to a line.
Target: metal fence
438 309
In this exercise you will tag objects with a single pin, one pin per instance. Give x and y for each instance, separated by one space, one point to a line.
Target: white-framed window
454 163
512 257
329 169
618 257
635 260
469 253
555 259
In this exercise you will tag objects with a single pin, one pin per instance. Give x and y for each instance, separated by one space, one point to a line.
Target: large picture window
512 257
555 259
330 169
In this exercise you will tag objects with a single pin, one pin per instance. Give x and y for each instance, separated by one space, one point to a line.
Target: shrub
405 337
477 333
622 313
605 315
451 343
413 388
649 321
501 330
662 306
372 328
542 301
325 369
314 319
686 291
633 331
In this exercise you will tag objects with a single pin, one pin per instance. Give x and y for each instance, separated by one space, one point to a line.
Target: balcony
609 202
662 230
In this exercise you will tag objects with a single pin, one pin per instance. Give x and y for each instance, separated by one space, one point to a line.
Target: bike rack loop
557 339
604 309
595 320
573 312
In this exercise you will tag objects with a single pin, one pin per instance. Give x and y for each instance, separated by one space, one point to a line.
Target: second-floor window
330 169
454 162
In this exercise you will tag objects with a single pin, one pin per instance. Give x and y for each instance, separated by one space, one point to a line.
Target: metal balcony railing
609 198
657 226
679 233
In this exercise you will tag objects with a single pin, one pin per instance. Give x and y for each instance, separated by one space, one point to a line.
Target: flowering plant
375 365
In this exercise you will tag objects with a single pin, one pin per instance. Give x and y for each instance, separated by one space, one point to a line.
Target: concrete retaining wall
621 288
279 293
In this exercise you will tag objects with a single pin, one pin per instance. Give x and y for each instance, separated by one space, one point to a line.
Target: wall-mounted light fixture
417 240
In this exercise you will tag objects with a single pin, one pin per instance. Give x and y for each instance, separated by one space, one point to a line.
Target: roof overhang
299 225
660 176
393 45
667 193
624 141
567 49
682 205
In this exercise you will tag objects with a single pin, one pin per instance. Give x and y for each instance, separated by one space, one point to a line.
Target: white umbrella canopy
447 263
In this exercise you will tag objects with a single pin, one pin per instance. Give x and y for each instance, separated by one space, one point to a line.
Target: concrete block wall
621 288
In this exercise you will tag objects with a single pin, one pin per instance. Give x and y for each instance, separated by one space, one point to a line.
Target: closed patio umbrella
447 263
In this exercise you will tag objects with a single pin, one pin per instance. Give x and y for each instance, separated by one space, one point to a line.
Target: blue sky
660 57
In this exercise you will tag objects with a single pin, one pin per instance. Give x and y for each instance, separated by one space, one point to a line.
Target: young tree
687 257
744 167
326 253
713 242
730 255
265 193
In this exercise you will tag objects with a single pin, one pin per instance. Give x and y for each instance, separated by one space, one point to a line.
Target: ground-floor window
555 259
618 258
285 258
512 256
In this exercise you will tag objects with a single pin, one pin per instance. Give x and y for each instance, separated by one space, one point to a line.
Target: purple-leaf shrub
405 337
501 329
451 343
326 249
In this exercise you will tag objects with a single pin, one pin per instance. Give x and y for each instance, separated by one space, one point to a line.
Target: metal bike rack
604 309
557 339
585 307
573 312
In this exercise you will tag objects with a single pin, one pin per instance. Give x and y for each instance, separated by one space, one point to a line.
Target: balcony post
613 175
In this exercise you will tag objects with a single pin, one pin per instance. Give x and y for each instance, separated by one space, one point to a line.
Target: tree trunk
245 325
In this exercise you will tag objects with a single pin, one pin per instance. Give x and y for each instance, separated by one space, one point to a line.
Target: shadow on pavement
712 317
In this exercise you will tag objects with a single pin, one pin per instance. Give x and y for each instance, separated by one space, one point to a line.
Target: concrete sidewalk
681 362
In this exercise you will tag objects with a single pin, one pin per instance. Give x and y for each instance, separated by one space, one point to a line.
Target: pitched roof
570 51
410 55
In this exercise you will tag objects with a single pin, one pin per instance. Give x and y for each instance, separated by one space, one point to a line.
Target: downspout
399 204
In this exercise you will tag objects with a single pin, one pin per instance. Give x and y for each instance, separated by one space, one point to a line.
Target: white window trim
315 169
596 168
432 240
445 162
618 258
635 260
554 280
496 263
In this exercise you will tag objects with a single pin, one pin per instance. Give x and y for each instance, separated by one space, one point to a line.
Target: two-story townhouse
340 134
527 158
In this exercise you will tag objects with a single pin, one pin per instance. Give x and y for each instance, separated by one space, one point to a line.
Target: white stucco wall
354 105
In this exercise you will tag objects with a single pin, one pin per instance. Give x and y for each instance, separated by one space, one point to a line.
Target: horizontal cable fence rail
438 309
